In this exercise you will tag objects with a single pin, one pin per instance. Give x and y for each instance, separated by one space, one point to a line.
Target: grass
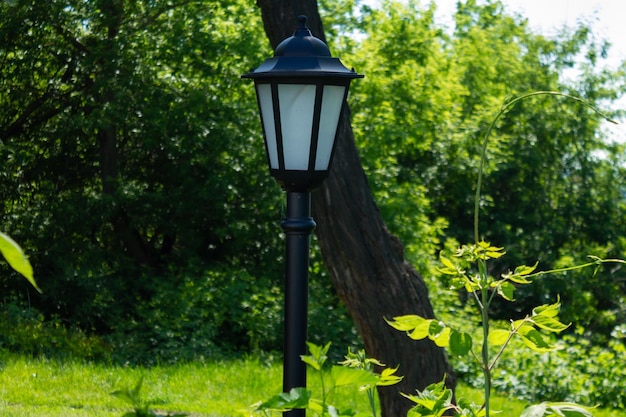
39 387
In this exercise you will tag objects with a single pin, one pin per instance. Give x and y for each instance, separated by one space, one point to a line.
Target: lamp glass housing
306 144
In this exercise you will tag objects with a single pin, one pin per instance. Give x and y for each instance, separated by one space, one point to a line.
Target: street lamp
300 93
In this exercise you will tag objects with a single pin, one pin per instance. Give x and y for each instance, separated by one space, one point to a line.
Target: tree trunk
365 261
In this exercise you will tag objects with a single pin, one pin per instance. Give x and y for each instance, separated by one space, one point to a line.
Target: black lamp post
300 92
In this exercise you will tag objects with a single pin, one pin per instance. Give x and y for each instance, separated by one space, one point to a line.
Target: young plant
468 270
356 372
141 408
387 377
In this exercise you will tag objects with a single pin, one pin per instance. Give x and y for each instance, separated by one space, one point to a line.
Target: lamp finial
302 21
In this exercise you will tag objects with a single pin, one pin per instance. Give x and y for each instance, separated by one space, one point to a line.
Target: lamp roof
302 55
302 43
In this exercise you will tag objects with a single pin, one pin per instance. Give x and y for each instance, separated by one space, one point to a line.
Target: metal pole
298 226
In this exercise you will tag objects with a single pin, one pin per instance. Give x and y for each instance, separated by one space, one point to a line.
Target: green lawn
38 388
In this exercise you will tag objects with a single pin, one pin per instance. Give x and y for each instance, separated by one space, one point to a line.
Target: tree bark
365 261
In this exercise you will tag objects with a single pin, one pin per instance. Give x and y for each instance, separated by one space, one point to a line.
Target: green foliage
25 330
211 313
575 371
435 400
133 164
120 117
141 407
551 177
355 372
134 171
469 270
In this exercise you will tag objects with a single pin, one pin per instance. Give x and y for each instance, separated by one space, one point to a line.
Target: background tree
127 169
554 184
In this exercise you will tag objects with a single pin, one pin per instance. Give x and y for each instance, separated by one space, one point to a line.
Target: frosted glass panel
332 100
264 92
296 114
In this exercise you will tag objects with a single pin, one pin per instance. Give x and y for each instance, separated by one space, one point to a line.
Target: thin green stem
597 261
503 110
484 310
324 393
505 344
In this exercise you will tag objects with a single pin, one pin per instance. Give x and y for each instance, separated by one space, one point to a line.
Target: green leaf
493 254
516 278
406 323
534 340
470 409
435 328
538 410
549 323
562 409
295 398
525 270
506 290
318 355
342 375
460 343
549 310
498 337
447 263
130 395
310 360
421 331
123 395
387 377
442 339
17 259
434 400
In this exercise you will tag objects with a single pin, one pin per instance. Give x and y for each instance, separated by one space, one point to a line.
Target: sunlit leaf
342 375
442 339
506 290
549 323
406 323
387 377
310 360
447 263
525 270
498 337
550 310
295 398
15 257
534 340
318 355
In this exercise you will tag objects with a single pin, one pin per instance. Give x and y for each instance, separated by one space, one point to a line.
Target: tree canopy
554 185
134 174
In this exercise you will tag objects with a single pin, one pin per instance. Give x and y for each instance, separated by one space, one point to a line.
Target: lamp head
300 93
